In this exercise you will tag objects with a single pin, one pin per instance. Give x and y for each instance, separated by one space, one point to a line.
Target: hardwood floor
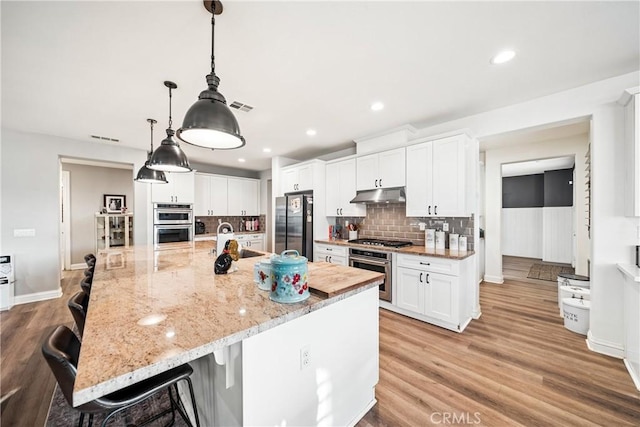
517 268
22 366
516 365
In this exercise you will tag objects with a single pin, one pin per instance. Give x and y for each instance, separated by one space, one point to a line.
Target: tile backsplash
388 221
211 222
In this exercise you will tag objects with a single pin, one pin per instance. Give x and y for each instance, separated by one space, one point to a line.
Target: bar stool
90 259
61 349
78 305
86 286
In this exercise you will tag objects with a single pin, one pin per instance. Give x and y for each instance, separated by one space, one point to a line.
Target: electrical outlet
445 226
305 357
421 225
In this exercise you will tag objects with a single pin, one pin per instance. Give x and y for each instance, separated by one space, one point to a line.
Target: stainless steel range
376 260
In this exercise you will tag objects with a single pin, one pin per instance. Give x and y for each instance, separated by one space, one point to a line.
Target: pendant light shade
209 123
147 175
169 157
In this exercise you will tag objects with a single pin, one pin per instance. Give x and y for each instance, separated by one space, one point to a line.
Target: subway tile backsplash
211 222
388 221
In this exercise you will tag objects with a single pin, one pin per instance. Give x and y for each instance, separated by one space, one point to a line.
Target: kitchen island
256 362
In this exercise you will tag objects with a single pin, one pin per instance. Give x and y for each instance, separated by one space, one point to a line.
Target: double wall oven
172 223
376 259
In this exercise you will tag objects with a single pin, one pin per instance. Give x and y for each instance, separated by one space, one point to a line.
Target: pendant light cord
213 31
170 120
151 122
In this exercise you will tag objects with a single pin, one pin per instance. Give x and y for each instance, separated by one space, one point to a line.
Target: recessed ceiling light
241 160
311 132
377 106
266 150
502 57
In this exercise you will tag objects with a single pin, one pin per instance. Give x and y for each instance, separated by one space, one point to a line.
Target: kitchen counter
411 250
150 311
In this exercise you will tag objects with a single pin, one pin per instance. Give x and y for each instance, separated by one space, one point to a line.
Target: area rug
63 415
548 271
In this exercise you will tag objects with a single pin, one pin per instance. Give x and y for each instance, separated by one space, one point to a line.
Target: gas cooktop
380 242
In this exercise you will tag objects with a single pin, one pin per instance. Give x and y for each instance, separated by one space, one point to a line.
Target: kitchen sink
246 253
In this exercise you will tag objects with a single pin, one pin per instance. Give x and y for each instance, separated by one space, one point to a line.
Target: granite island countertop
150 311
411 250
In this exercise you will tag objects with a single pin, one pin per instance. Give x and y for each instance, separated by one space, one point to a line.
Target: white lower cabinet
251 241
435 290
332 254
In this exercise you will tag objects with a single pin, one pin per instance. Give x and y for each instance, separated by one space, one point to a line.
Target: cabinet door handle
340 211
420 277
337 211
380 182
329 258
376 183
326 258
329 249
424 263
429 210
435 210
427 278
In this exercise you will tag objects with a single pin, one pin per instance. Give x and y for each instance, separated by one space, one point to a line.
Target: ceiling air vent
104 138
240 106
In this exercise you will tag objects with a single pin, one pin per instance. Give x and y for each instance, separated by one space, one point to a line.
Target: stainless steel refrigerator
294 223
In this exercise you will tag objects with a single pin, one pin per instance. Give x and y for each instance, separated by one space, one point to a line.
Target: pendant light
147 175
169 157
209 123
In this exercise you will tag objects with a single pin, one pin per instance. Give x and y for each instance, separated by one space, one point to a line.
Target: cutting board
328 280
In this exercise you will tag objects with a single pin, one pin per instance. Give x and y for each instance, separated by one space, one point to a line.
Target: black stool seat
86 286
61 350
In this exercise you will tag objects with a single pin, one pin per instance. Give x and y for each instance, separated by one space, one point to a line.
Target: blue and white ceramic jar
289 277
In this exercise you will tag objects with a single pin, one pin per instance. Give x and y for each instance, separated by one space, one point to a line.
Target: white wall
613 235
88 185
30 172
522 232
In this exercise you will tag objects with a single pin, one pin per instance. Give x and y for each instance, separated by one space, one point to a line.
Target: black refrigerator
294 223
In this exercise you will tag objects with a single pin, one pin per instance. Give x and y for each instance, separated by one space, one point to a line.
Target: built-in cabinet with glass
113 230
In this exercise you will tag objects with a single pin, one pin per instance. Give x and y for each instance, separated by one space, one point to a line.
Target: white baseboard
476 313
604 347
635 376
80 266
37 296
494 279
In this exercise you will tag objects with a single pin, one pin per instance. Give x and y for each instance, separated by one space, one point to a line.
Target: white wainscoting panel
522 232
557 229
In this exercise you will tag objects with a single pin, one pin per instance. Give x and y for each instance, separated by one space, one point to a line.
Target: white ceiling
80 68
537 166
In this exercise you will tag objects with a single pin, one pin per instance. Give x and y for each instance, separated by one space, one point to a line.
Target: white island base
318 369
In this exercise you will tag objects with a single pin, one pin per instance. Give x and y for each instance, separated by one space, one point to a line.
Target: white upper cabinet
297 178
210 195
243 196
179 189
381 170
219 195
341 188
440 177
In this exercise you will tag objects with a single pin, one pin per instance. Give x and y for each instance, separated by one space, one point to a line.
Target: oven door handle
369 261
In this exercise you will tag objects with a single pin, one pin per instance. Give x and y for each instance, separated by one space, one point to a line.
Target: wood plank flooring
516 365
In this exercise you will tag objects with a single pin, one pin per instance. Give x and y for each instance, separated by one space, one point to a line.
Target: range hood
380 195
